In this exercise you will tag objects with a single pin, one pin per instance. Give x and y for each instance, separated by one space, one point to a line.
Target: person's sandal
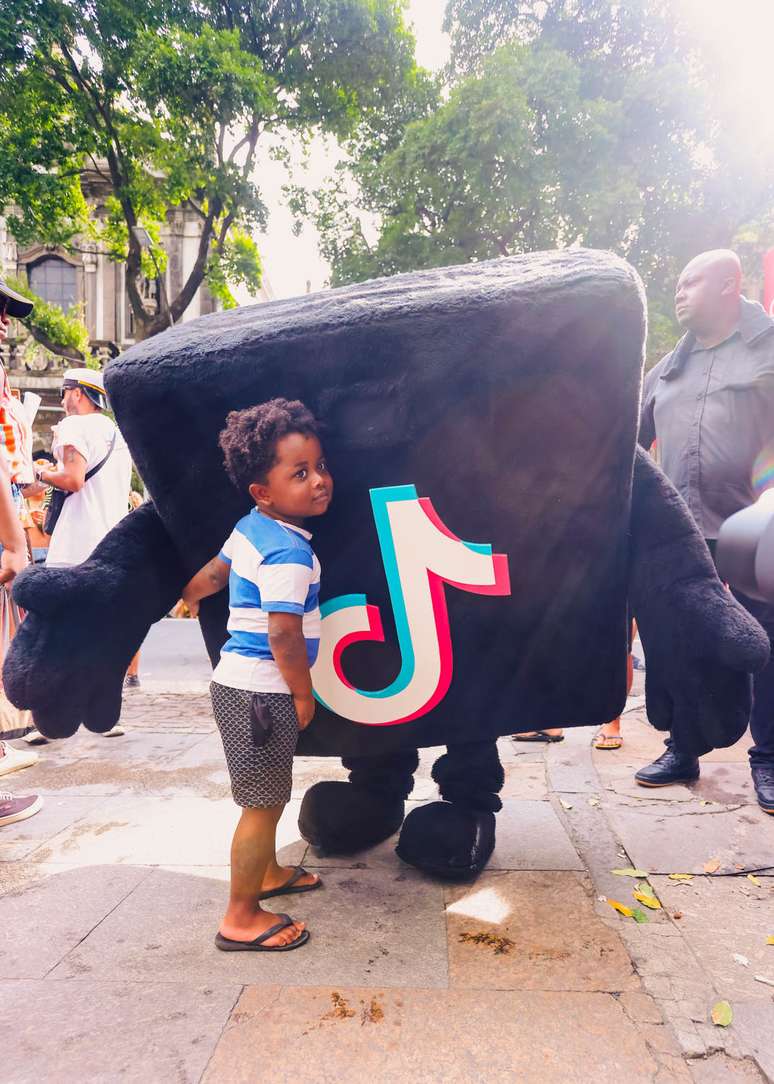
538 735
290 887
226 944
607 741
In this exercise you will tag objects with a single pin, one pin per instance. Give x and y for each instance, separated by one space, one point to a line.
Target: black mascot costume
495 403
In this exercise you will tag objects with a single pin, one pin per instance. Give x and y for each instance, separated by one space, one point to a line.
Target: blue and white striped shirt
273 570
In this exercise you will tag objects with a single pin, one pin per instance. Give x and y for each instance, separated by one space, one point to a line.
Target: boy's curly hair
249 440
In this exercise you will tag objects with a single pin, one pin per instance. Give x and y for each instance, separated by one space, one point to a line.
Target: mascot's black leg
342 818
455 838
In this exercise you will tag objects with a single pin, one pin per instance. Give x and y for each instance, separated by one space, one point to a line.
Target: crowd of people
56 507
707 414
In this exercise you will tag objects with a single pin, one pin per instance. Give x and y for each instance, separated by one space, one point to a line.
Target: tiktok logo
420 555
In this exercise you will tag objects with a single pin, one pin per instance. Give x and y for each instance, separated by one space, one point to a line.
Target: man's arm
647 433
288 646
72 474
207 581
14 557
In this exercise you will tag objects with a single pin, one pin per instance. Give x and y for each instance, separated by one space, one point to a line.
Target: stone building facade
90 280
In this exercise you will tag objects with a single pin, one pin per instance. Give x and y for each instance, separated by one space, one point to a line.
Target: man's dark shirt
711 412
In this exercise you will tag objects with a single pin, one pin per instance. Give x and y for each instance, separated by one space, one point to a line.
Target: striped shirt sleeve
227 549
283 579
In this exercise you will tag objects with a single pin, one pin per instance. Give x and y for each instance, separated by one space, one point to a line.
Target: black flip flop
288 888
539 735
225 944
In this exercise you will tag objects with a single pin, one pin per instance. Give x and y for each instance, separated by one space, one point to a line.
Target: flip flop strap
298 873
286 921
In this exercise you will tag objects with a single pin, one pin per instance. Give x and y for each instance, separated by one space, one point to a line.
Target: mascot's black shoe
671 767
763 781
448 840
341 818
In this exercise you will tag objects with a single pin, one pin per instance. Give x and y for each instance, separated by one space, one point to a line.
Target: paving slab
59 813
88 764
525 781
559 942
530 835
723 917
366 927
160 830
138 1033
754 1027
348 1035
615 769
41 923
669 839
721 1069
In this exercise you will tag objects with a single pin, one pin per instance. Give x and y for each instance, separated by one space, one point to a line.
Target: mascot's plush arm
68 659
700 645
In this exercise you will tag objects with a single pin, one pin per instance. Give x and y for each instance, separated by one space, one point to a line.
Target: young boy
262 684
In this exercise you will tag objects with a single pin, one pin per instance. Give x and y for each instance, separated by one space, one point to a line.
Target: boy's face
299 484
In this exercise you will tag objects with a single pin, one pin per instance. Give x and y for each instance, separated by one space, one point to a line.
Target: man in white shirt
93 469
84 440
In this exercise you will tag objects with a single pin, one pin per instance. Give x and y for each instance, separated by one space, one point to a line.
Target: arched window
55 281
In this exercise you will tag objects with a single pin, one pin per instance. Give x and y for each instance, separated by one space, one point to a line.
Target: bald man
709 404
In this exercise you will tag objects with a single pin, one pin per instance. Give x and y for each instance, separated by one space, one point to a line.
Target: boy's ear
260 494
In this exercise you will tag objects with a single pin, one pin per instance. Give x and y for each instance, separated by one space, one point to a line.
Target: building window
55 281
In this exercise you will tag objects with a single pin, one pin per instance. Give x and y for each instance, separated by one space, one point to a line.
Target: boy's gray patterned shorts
260 777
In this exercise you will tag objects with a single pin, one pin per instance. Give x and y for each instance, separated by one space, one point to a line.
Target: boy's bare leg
134 666
252 851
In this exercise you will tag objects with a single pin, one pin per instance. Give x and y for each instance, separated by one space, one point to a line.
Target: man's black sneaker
763 781
670 768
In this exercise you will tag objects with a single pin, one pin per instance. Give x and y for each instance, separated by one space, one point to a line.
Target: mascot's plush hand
701 646
83 625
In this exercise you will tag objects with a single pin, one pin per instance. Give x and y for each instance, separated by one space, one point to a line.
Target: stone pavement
112 894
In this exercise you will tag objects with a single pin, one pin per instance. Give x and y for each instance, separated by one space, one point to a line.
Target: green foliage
166 103
61 332
239 262
522 155
595 122
663 330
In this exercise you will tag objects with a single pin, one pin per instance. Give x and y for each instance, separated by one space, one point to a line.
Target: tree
525 153
595 122
169 102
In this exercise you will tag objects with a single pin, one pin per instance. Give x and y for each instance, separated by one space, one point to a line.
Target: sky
740 34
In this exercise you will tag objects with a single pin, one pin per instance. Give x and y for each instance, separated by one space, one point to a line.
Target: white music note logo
420 555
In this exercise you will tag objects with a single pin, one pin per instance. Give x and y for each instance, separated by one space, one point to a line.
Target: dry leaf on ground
680 876
755 880
629 872
722 1014
650 901
712 867
621 908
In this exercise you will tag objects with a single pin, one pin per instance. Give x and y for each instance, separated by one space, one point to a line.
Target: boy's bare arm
207 581
286 640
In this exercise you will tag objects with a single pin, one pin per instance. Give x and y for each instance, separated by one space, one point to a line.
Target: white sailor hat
90 381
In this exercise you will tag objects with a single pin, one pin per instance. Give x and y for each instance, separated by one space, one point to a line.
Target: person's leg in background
762 718
132 679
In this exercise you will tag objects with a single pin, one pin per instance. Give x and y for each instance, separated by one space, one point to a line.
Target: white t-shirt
89 514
